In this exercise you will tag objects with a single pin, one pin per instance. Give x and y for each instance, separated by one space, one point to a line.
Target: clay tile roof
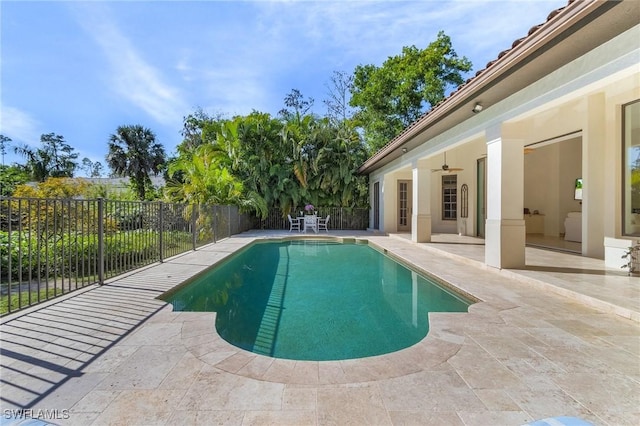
532 30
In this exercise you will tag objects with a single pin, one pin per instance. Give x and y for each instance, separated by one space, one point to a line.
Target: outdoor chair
310 221
322 223
294 225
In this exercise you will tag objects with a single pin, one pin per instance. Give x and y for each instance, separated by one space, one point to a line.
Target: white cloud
359 29
234 68
235 91
244 62
19 126
132 77
373 30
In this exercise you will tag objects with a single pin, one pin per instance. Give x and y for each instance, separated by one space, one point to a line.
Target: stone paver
553 339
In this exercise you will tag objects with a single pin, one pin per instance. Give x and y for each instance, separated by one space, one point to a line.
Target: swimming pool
316 300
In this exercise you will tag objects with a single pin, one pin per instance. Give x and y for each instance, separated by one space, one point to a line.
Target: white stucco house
551 127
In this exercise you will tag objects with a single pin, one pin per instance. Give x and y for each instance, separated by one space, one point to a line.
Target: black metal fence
49 247
340 218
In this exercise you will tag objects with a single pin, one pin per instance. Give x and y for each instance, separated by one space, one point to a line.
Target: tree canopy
134 152
4 143
11 177
56 158
91 168
260 162
392 96
338 95
53 187
296 106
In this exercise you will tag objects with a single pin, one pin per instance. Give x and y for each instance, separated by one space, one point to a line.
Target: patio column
505 226
388 204
421 215
594 157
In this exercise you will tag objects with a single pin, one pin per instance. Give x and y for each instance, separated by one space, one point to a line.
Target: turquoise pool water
313 300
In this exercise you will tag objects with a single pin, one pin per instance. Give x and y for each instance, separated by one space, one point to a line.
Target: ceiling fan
445 167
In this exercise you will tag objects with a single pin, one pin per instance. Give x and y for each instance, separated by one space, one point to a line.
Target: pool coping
424 355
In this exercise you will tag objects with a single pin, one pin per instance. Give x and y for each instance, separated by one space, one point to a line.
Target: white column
505 230
388 205
421 215
593 175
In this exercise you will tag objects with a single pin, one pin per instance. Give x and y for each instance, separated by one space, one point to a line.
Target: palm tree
134 152
55 159
4 143
207 180
37 161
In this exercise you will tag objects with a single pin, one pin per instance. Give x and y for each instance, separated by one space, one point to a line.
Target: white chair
294 225
311 221
322 223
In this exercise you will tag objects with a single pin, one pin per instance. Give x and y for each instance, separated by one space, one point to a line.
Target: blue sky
81 69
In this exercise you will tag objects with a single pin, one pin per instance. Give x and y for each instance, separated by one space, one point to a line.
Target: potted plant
632 257
309 209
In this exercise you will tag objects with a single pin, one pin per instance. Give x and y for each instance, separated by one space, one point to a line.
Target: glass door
404 205
481 211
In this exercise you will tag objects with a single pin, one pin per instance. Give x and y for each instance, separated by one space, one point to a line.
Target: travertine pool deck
560 337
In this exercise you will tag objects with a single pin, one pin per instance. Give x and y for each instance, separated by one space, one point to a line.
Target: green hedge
76 254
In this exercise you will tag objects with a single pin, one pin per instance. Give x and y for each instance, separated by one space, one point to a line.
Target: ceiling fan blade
445 167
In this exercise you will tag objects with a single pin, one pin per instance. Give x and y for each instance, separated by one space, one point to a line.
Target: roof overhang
567 34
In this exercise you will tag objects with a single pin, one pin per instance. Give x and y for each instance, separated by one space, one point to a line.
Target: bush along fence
341 218
49 247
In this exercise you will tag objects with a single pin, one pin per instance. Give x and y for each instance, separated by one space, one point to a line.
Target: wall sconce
404 150
477 108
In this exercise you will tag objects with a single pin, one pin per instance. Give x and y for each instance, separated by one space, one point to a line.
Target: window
449 197
631 165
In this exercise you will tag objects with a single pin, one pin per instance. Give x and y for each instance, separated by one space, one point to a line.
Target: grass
21 300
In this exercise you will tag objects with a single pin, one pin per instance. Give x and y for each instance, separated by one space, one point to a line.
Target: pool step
266 337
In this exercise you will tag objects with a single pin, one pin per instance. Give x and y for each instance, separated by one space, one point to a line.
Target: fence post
161 227
215 222
194 231
9 256
101 241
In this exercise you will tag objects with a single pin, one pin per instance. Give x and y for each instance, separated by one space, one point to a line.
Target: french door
404 205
